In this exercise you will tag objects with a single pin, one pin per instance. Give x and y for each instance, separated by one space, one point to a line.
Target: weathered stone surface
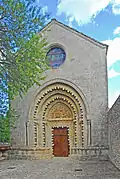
58 168
29 153
4 151
114 132
84 69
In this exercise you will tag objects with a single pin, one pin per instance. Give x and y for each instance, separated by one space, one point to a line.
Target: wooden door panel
60 140
57 147
60 131
64 146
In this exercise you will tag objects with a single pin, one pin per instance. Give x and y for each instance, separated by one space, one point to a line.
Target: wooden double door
60 140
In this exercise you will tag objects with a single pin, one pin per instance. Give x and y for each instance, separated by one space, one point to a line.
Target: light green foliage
6 124
22 50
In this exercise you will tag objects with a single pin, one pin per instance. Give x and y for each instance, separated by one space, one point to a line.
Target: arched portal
60 118
60 115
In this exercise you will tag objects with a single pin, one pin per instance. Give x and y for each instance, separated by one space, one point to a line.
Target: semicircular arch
60 90
46 88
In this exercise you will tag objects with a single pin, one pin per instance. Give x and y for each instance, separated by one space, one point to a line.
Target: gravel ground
58 168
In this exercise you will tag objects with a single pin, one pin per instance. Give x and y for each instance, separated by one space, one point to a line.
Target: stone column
81 127
26 132
89 140
30 133
40 133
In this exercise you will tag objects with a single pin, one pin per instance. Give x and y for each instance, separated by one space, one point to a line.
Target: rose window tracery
56 57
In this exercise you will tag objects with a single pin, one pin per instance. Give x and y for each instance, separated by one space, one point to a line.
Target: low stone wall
29 153
46 153
90 153
114 133
4 151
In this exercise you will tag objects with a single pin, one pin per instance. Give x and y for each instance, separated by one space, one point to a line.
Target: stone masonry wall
85 66
114 133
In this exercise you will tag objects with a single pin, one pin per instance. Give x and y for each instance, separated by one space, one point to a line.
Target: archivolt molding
66 83
63 99
53 89
60 97
52 93
57 94
45 85
49 104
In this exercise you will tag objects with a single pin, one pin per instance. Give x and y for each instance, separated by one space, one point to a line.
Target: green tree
22 47
22 52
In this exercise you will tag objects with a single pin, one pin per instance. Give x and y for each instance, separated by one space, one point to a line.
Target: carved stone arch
62 81
55 96
59 90
36 99
50 103
77 102
55 86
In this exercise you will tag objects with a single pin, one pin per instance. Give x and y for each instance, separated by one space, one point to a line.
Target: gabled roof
54 21
116 104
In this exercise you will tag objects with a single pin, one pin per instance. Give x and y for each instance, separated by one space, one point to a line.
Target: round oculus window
56 57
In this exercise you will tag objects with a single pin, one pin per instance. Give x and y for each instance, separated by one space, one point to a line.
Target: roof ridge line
96 42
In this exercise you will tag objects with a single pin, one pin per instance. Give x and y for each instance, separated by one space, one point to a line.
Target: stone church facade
67 115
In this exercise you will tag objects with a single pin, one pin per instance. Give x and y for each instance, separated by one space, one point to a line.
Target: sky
99 19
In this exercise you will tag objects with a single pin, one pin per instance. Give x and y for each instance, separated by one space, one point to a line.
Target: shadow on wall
114 133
